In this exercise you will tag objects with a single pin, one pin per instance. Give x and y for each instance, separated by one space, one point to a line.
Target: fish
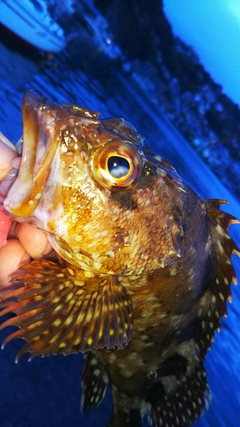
142 268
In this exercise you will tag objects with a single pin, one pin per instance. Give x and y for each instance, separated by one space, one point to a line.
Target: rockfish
142 270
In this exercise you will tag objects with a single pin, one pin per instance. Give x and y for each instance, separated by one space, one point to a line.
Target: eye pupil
118 166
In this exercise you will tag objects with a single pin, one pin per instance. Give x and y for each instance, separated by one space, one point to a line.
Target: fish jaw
39 148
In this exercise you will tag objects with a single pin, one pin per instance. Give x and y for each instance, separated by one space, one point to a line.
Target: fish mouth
39 145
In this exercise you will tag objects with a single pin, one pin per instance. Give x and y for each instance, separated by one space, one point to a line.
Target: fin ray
94 382
181 407
57 316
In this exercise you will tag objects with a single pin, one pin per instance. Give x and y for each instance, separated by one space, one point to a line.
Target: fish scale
142 271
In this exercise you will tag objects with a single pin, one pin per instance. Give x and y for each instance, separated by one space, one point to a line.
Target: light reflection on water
85 76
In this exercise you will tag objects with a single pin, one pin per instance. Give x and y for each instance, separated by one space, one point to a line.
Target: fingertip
12 256
8 152
33 240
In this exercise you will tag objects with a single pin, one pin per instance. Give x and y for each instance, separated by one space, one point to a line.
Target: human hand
23 241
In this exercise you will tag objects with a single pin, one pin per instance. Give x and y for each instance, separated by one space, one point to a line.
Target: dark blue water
46 392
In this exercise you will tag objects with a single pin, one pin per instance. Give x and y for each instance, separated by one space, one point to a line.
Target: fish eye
117 165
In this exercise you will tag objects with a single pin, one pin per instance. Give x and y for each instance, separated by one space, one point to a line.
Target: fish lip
39 145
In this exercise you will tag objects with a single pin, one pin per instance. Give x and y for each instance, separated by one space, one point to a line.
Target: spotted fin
62 310
175 398
212 306
174 394
94 382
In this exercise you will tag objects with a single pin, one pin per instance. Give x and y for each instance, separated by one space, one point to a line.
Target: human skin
24 242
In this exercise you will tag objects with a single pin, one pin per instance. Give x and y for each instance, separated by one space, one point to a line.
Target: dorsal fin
212 306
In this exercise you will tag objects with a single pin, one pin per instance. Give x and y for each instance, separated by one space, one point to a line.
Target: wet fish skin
142 270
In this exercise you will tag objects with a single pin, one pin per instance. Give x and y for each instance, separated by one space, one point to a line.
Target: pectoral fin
60 310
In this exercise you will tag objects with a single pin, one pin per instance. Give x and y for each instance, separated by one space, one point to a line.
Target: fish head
95 189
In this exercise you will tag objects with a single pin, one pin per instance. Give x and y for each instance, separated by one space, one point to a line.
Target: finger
6 141
12 256
16 162
34 241
5 225
7 154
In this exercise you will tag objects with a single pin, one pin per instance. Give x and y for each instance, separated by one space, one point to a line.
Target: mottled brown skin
143 270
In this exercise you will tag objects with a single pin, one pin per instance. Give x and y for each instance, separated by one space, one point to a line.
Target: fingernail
16 162
25 259
8 152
